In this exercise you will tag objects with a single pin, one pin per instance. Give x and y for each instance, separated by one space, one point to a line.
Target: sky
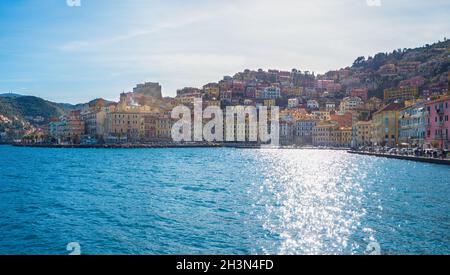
73 54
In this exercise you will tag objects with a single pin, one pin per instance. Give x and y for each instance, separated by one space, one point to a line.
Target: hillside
29 107
428 65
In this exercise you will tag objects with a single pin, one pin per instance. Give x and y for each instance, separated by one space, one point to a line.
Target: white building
271 93
350 103
312 104
330 106
293 103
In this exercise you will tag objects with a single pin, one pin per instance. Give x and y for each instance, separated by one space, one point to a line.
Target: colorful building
412 125
69 129
351 103
361 93
303 130
287 128
343 120
328 133
385 127
437 123
362 133
400 94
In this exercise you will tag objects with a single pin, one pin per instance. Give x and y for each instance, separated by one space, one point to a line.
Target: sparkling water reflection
220 201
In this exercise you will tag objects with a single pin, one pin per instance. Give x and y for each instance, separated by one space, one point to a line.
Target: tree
359 61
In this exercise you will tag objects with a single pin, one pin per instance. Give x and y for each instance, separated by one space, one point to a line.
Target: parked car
392 151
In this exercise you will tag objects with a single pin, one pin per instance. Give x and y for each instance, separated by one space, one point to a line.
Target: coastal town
309 115
339 109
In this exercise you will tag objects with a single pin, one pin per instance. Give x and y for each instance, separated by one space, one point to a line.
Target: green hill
432 62
29 107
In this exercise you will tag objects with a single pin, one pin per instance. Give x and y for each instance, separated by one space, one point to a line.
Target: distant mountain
28 107
36 110
10 95
82 106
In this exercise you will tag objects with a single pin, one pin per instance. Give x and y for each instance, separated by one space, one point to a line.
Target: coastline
235 146
118 146
156 146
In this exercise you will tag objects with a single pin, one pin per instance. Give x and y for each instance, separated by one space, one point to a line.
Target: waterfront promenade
403 157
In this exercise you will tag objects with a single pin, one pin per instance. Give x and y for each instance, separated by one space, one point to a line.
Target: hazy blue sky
74 54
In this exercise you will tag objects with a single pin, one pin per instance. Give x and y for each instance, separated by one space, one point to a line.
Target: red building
345 120
361 93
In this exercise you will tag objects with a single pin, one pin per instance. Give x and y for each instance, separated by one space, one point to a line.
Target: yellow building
164 128
269 102
362 133
212 92
187 100
374 104
328 133
401 94
343 137
385 125
129 125
321 115
293 91
95 119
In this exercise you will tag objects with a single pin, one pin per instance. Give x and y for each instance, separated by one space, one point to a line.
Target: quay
402 157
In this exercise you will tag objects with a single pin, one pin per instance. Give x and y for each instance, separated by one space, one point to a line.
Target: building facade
362 133
350 103
400 94
385 127
303 130
328 133
437 123
412 125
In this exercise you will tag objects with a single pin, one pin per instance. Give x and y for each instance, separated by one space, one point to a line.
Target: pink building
438 112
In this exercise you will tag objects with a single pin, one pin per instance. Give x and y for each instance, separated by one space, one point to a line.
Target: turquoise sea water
219 201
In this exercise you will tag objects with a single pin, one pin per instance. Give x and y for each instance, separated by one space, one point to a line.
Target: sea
199 201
